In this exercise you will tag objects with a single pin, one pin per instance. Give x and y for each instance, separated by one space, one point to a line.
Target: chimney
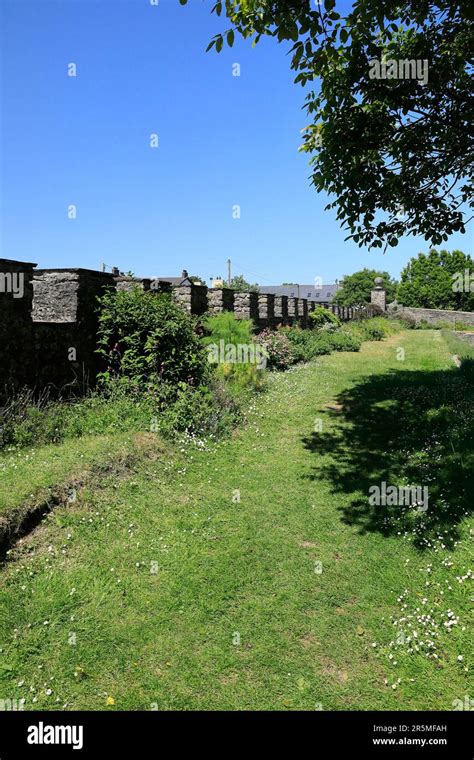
184 274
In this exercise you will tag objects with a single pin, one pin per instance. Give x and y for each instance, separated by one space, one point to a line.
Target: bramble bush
146 340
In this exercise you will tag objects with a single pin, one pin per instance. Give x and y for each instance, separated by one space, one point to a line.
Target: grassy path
233 578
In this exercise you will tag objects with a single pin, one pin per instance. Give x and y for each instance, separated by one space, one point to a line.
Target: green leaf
293 32
230 37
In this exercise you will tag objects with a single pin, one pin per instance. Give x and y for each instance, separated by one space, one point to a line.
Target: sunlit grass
228 577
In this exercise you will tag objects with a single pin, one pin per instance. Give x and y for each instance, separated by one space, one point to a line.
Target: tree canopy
240 284
356 288
389 134
438 280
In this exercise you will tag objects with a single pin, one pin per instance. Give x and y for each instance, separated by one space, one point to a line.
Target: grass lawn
253 574
34 477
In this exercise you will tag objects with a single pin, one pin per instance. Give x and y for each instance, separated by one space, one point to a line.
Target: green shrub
308 344
146 339
305 343
342 341
321 316
374 333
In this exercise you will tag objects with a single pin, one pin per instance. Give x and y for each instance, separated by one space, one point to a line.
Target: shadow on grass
402 428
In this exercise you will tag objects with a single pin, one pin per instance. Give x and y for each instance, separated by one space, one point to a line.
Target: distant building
175 282
324 294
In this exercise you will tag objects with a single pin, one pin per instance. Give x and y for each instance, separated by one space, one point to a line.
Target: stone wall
16 327
48 336
246 306
192 298
468 337
433 316
65 323
281 309
220 299
266 309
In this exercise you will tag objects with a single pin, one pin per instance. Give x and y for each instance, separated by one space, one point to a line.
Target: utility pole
229 272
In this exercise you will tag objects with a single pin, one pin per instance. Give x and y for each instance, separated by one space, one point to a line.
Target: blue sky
223 140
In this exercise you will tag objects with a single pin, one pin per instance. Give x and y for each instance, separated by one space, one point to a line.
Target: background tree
397 153
239 283
355 290
439 280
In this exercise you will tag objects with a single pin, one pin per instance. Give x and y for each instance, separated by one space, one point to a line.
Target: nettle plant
147 341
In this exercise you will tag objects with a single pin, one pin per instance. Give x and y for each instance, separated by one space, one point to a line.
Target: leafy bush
321 316
311 343
329 327
303 343
374 333
342 341
147 339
